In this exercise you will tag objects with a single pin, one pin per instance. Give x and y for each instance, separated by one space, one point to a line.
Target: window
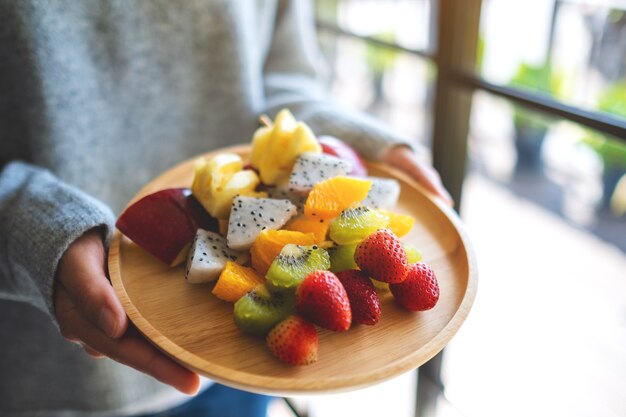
534 92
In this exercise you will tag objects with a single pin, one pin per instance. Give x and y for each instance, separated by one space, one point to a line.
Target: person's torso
107 94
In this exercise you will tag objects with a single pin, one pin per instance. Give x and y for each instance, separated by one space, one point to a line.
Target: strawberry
294 341
382 256
419 291
321 299
363 297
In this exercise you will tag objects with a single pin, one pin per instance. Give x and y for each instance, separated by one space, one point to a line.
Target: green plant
535 77
613 99
611 151
379 58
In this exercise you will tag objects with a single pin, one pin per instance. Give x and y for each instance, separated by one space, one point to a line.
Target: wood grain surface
195 328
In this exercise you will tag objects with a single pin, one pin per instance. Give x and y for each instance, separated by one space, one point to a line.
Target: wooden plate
195 328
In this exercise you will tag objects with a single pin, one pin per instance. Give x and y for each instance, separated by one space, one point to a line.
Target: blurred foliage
613 99
378 58
611 151
542 78
326 10
480 52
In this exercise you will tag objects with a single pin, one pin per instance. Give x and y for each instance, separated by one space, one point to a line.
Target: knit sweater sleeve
292 80
39 217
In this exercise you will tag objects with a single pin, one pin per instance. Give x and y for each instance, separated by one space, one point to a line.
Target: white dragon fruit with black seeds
249 216
311 168
208 256
282 192
383 194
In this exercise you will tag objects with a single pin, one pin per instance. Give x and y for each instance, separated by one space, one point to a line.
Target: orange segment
319 227
329 198
399 224
269 244
235 281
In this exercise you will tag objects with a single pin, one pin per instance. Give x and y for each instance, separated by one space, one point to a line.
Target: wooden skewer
265 120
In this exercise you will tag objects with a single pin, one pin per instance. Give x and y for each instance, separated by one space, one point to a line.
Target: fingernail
108 322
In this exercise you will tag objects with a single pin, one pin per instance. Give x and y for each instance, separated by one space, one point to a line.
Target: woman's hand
404 159
88 312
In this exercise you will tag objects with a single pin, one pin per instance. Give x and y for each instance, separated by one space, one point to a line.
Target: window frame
457 28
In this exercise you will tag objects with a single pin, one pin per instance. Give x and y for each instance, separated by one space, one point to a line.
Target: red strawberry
382 256
321 299
363 297
419 291
293 340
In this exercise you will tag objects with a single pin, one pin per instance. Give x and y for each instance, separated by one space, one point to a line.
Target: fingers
92 352
430 179
88 312
81 271
131 349
403 158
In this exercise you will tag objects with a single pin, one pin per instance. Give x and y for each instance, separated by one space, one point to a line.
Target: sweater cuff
40 217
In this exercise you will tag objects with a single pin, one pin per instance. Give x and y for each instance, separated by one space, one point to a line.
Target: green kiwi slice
260 310
293 264
355 224
342 257
412 254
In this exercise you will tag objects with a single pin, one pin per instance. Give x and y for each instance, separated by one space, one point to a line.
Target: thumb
81 271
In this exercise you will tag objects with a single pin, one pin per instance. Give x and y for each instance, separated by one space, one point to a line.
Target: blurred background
523 104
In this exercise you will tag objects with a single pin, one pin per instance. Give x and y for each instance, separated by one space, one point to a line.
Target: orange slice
319 227
399 224
269 244
235 281
329 198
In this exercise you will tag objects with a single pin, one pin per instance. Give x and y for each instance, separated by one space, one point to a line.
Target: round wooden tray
195 328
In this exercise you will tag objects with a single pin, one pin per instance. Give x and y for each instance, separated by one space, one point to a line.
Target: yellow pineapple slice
219 200
217 181
222 167
259 145
276 148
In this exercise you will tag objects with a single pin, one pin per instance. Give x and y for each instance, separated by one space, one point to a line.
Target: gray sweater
98 97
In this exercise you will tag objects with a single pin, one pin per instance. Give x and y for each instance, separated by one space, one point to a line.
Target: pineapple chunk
276 148
240 183
259 144
218 180
222 167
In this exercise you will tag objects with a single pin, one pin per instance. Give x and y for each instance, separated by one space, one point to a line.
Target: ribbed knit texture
97 98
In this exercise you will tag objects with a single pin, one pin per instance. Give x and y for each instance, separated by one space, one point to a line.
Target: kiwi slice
293 264
355 224
260 310
412 254
342 257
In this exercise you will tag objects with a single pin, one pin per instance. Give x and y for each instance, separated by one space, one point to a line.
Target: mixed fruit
299 238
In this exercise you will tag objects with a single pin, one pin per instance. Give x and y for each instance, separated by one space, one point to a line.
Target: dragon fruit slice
311 168
250 215
282 192
383 194
208 256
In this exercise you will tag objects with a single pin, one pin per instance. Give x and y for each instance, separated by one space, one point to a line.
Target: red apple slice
336 147
164 223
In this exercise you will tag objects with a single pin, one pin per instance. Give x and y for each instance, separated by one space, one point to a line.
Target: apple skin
164 223
336 147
